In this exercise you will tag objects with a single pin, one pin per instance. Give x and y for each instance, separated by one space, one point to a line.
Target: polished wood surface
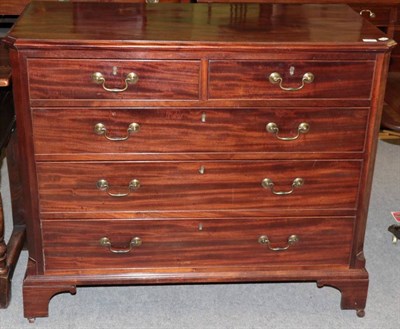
78 24
202 102
248 79
72 186
15 7
177 243
156 78
163 129
385 15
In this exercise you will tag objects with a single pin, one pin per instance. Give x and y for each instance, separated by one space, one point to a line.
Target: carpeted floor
272 306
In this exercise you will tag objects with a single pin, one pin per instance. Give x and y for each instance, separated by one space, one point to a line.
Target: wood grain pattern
71 187
249 79
163 130
261 25
193 172
175 243
15 7
72 79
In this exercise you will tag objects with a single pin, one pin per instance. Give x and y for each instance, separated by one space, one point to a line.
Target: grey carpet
273 306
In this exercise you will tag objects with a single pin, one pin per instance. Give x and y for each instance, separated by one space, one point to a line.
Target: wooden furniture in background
9 252
387 18
196 150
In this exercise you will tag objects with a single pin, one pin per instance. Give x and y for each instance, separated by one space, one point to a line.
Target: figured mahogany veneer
186 243
158 79
204 169
161 130
249 79
224 185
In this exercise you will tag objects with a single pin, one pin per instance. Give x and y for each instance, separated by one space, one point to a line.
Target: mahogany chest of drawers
196 143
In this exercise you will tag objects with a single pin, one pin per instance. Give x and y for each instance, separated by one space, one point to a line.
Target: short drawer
197 186
113 79
96 131
135 244
290 79
379 15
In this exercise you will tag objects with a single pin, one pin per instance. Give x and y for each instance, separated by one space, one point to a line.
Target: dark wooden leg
13 159
4 282
9 253
354 293
13 249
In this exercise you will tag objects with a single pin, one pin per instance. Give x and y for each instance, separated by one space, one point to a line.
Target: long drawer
170 130
112 79
117 244
290 79
195 186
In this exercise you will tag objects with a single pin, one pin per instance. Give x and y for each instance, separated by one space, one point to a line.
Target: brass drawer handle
293 239
272 128
135 242
103 185
130 79
101 129
152 1
267 183
368 11
276 78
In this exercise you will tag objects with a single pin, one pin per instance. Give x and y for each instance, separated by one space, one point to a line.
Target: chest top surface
15 7
186 25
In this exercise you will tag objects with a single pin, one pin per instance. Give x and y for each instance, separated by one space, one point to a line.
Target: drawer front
321 130
378 15
251 79
73 79
197 186
191 243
